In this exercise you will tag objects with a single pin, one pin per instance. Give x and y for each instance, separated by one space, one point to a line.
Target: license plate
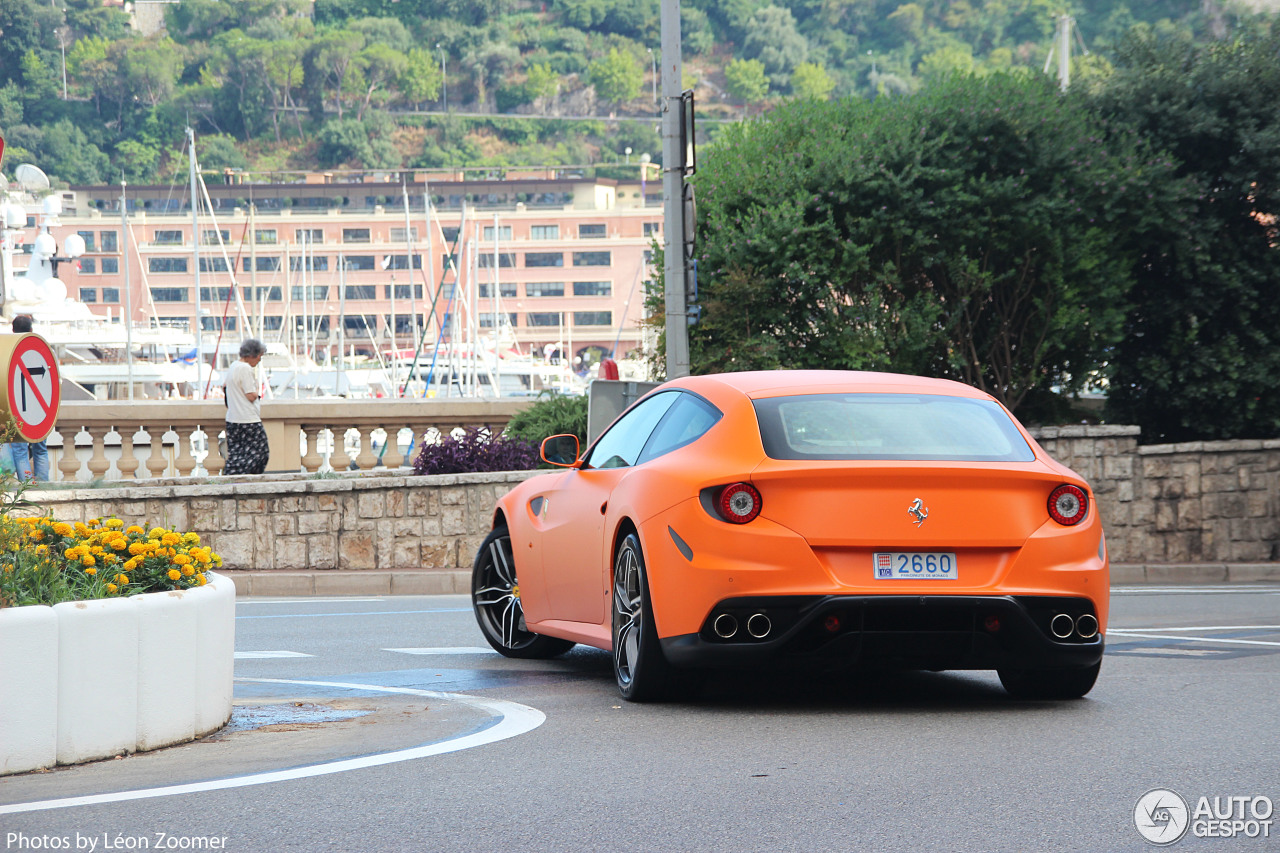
896 565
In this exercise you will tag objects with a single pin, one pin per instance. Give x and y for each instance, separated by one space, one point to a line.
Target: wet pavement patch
248 717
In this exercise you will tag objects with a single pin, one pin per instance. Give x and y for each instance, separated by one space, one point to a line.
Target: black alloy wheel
495 597
642 671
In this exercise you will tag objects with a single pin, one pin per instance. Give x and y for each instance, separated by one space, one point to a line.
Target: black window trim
640 457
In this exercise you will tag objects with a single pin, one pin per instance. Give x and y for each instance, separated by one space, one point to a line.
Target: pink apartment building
564 259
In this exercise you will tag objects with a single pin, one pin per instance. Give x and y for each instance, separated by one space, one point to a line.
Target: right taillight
738 503
1068 504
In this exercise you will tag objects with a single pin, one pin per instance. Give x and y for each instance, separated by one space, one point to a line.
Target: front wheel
495 598
639 666
1050 683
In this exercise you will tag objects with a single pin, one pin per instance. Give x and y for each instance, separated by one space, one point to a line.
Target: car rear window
889 426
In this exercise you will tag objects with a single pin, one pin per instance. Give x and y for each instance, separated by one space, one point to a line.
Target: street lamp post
444 79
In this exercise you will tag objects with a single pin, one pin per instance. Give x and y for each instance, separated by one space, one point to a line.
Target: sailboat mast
195 254
128 289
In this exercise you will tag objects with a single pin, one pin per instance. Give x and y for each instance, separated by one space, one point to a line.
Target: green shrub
553 415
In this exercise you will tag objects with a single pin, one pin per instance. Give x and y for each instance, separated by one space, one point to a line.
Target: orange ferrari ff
848 519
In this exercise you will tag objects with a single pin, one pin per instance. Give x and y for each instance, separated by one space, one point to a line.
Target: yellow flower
119 543
217 560
170 539
63 529
123 580
88 560
191 538
42 549
182 559
188 571
112 587
134 529
91 571
200 580
37 535
174 574
94 522
114 523
156 532
80 529
137 548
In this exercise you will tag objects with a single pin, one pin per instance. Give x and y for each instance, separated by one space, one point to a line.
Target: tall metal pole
342 320
128 287
677 317
195 253
1064 51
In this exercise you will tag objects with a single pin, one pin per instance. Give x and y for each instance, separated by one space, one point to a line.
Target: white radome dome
23 290
45 246
73 245
54 290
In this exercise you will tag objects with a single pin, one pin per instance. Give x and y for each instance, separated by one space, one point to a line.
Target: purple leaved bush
476 450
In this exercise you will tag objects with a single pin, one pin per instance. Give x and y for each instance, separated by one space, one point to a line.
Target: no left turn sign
34 389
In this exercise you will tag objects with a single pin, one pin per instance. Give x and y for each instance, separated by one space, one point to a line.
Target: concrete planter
90 679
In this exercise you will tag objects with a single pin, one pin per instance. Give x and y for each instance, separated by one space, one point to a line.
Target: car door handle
603 507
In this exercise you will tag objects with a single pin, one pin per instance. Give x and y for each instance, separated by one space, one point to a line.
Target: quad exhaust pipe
726 626
1063 626
759 626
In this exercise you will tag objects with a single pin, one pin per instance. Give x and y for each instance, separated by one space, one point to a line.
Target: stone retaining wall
1202 501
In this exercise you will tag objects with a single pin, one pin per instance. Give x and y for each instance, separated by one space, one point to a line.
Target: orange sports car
848 519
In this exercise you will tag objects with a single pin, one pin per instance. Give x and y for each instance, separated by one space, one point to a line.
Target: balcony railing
159 439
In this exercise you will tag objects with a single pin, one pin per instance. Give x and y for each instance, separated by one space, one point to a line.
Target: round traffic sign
34 388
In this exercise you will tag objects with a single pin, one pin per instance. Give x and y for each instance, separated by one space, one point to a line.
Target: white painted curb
90 679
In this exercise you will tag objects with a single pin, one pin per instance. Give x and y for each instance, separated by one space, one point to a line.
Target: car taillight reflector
1068 504
739 503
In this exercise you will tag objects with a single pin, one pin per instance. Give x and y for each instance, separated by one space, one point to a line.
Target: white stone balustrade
153 439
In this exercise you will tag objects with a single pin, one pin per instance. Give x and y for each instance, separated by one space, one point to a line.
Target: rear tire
1050 683
495 598
639 666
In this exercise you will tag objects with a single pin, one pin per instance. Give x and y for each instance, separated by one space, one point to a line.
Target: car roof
758 384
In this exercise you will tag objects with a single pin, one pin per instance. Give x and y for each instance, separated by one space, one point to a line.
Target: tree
962 233
421 79
380 68
616 77
745 81
67 153
25 26
327 66
1201 353
772 38
811 80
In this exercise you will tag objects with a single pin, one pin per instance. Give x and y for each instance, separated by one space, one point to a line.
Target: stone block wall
1203 501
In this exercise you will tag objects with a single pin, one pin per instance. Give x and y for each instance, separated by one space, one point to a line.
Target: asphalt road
383 724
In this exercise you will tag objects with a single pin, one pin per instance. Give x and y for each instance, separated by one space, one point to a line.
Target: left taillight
738 503
1068 504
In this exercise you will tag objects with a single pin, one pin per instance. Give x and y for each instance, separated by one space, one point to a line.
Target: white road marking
1208 628
1219 589
513 719
301 600
1126 634
460 650
263 655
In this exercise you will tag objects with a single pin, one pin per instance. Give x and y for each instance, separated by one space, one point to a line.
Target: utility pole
128 287
673 167
195 254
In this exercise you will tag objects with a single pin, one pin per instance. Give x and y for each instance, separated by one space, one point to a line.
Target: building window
544 259
166 265
397 234
544 318
183 323
216 324
593 288
401 262
88 294
89 265
320 264
87 236
403 291
111 265
264 264
167 238
315 292
505 259
359 263
211 237
264 236
356 235
504 232
272 323
308 235
544 288
592 232
111 295
593 318
405 324
359 323
450 234
648 256
592 259
110 240
544 232
215 294
506 289
312 324
213 265
169 294
486 320
362 291
272 293
652 228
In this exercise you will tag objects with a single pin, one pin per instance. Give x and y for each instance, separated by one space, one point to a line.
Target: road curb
458 581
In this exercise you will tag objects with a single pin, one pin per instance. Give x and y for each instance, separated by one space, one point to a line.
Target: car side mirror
561 450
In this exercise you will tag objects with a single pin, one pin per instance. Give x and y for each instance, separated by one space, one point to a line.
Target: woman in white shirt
247 448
